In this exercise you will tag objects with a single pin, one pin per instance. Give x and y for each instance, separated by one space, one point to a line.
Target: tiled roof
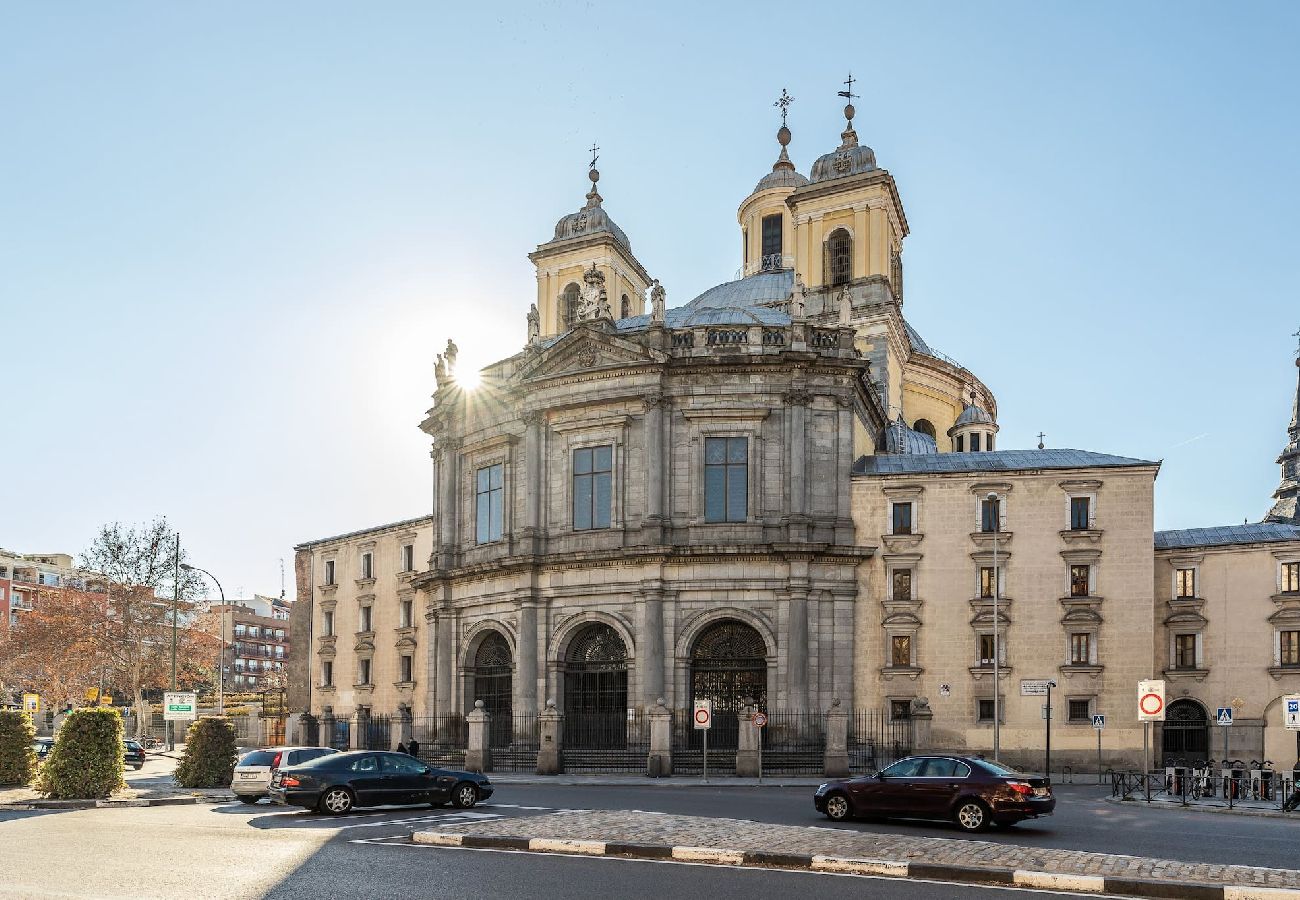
1252 533
991 461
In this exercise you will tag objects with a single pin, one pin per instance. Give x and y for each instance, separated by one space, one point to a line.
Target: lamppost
221 658
997 590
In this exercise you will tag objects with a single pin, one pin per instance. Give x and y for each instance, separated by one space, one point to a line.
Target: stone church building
779 495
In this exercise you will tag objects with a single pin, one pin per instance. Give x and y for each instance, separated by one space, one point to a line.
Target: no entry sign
760 719
1151 701
703 715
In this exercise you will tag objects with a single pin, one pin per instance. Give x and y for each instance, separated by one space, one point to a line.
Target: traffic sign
1151 701
1291 711
1099 721
180 706
760 719
1225 715
703 715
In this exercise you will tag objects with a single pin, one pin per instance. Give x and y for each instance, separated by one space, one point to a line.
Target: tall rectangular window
1185 580
1291 577
593 480
771 239
902 523
367 565
1290 645
988 583
1184 651
902 585
363 671
1079 577
900 650
990 515
489 503
726 479
1080 648
364 620
961 443
328 624
986 650
404 614
329 571
327 673
407 668
1079 513
974 442
408 557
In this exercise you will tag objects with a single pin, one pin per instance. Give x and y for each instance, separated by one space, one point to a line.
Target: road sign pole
760 756
1146 758
1099 756
1225 743
1047 756
706 756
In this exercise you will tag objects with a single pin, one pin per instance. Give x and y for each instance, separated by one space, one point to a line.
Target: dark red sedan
974 793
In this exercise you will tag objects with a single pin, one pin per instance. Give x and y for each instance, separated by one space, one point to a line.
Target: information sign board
180 706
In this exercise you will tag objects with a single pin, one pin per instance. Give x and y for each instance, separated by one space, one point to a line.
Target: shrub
17 761
209 758
86 759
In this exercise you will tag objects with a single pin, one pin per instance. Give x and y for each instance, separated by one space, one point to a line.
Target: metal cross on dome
784 102
848 94
594 157
1296 335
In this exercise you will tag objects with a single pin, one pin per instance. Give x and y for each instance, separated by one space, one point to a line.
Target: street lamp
221 658
997 590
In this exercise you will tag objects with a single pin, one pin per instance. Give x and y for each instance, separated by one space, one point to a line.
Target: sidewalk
740 842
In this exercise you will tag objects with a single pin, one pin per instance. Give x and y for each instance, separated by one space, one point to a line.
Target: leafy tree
86 759
17 761
210 752
55 649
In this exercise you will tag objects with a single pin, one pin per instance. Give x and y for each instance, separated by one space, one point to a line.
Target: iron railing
876 740
514 744
604 742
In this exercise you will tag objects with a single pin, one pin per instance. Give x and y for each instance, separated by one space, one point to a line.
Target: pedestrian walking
413 748
401 748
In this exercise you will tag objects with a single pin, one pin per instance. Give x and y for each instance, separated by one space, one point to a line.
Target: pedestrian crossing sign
1225 715
1098 721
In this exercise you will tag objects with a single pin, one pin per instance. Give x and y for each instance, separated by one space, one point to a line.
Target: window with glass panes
407 668
1290 646
489 503
975 442
364 622
1079 513
772 235
986 650
1185 581
726 479
902 523
408 557
367 565
1080 648
1184 651
900 650
593 474
984 710
987 581
990 514
1291 577
363 671
328 624
329 571
902 585
1079 711
404 614
327 673
900 709
1079 580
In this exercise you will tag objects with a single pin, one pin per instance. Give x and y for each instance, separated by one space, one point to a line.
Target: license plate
248 775
1041 792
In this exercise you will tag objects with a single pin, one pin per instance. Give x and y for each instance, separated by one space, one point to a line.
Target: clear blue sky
232 237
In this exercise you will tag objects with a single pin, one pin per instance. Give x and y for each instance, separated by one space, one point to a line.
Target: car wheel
249 800
336 801
837 807
972 816
464 795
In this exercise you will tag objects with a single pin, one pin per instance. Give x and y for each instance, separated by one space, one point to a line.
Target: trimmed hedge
210 753
17 760
85 762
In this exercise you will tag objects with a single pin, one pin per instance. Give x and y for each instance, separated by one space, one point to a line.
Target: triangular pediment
589 346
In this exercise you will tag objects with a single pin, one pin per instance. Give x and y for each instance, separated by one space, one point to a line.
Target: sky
233 236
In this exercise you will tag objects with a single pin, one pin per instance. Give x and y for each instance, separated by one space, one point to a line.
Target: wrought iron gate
1186 731
595 690
493 684
729 668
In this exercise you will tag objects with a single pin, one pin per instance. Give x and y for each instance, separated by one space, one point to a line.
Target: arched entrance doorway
1186 731
728 667
595 688
493 684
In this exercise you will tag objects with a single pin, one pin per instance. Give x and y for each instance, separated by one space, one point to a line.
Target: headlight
821 788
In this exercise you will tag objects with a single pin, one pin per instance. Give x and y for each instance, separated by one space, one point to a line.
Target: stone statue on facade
450 353
846 306
440 371
534 324
594 303
658 301
798 299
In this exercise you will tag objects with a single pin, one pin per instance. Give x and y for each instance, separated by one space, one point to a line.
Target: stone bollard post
747 746
404 725
478 755
659 764
327 726
550 755
922 717
360 730
837 741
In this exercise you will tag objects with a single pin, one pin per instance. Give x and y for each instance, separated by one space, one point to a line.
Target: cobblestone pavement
738 834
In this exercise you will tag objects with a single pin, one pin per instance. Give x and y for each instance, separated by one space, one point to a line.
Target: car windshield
258 758
996 768
133 745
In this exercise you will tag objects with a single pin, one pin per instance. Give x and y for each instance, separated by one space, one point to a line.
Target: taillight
275 763
1021 787
289 781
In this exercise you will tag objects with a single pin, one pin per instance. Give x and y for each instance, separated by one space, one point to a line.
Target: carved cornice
1075 537
798 398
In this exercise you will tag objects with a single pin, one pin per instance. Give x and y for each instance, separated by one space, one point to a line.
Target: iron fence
688 748
340 734
442 740
876 739
514 741
376 732
600 742
794 743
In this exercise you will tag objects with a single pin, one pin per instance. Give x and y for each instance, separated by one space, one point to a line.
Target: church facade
777 495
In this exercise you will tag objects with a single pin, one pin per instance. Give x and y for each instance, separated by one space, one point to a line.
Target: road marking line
589 848
1057 880
709 854
859 866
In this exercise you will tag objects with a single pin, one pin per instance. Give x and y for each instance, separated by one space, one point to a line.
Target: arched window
569 303
839 257
625 308
923 426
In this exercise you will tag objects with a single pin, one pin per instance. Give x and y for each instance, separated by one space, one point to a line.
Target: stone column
478 755
837 741
922 718
525 681
327 727
798 406
650 653
797 649
449 503
404 724
659 764
747 746
550 755
360 721
444 623
532 530
655 464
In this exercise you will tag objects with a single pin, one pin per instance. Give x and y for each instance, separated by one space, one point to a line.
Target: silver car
253 772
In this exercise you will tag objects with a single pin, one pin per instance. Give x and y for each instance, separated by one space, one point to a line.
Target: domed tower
974 429
1286 509
588 248
765 221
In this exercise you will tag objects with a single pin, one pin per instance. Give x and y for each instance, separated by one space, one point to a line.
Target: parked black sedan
974 793
339 782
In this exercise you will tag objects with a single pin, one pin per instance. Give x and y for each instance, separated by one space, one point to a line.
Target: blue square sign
1225 715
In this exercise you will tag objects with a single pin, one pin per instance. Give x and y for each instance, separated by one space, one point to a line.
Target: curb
111 804
1023 878
1217 810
